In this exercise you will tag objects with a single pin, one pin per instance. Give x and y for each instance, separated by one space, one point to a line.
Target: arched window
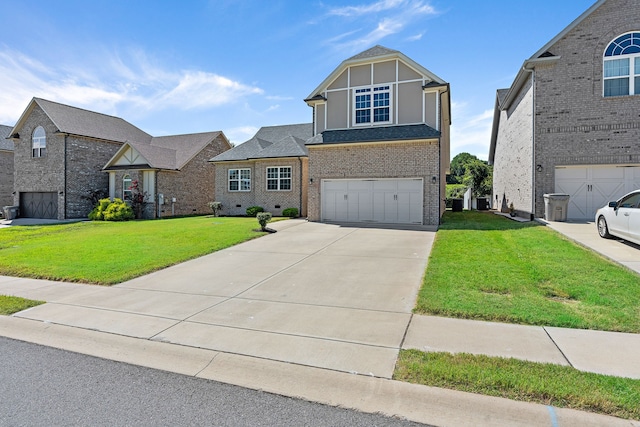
126 187
621 69
38 142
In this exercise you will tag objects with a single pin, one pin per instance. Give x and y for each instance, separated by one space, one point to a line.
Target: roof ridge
84 109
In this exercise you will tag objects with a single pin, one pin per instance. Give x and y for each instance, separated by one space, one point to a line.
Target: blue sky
187 66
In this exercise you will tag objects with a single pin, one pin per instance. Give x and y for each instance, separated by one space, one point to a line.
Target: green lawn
10 305
112 252
485 266
548 384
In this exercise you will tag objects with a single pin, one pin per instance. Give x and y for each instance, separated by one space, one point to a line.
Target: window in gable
279 178
372 105
621 68
239 179
38 142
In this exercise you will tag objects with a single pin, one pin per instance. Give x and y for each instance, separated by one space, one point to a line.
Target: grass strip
113 252
485 266
548 384
10 305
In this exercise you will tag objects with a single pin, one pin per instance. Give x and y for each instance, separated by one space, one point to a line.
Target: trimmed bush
106 210
263 219
290 212
216 207
253 210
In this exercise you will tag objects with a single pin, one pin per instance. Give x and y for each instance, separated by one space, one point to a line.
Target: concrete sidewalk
298 313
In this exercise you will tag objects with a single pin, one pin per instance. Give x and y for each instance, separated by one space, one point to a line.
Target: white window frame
371 89
634 69
126 190
279 178
240 180
38 142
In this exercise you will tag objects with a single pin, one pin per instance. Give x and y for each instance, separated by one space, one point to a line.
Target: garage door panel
39 205
372 200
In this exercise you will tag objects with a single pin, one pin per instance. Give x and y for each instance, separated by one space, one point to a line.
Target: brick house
380 146
60 152
6 167
172 172
569 122
269 170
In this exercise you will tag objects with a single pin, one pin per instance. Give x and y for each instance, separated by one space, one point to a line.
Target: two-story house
569 123
6 167
380 146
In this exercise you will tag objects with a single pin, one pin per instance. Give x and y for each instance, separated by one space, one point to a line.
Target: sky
187 66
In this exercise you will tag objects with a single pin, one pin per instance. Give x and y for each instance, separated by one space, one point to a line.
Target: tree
479 176
458 167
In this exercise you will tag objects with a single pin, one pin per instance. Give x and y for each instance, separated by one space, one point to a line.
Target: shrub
106 210
97 214
290 212
263 219
216 207
253 210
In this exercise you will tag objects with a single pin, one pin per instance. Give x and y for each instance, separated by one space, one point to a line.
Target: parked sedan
621 218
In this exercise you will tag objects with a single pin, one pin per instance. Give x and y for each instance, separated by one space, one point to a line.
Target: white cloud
395 17
471 134
240 134
132 83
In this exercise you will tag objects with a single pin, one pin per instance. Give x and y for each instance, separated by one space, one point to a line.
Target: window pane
246 185
285 172
285 184
233 185
233 173
616 87
272 184
363 116
272 172
381 114
616 68
245 173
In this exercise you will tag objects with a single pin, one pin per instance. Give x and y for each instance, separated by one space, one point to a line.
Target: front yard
112 252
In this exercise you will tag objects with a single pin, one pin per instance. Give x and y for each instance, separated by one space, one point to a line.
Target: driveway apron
322 295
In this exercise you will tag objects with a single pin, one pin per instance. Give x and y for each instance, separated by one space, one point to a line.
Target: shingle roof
374 134
377 50
271 142
5 144
501 94
78 121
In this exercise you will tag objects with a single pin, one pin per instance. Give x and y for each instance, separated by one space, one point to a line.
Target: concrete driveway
328 296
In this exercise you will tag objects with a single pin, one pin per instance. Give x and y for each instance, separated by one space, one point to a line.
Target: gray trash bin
10 212
556 206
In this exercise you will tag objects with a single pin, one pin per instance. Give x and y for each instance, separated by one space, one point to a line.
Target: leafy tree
479 176
458 165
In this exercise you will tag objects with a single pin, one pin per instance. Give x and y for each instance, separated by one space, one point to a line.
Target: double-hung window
239 179
279 178
127 193
621 69
38 142
372 105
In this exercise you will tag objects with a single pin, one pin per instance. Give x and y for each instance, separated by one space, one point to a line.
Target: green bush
107 210
216 207
253 210
263 219
97 214
290 212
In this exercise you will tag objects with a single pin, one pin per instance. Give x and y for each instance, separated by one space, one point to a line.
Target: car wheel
603 230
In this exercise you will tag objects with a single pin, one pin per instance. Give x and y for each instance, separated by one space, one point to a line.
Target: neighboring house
6 167
269 170
569 123
380 146
171 172
60 152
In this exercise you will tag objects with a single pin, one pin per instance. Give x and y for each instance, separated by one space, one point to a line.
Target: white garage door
392 201
592 187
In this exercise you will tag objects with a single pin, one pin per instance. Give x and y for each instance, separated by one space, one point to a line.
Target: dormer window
38 142
622 66
372 105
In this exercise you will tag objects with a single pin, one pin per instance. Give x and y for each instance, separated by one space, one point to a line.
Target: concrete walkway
298 313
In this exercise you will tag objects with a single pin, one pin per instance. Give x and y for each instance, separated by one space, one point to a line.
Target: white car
621 218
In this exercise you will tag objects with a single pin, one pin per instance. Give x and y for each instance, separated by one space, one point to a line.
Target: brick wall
6 178
259 195
575 124
383 160
513 178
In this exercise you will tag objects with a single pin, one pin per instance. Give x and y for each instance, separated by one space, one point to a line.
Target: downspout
440 199
64 196
533 138
301 182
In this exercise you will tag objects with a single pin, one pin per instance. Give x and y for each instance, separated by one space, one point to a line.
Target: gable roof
166 152
77 121
271 142
5 144
375 54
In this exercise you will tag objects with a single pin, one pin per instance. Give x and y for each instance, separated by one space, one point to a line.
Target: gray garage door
39 205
